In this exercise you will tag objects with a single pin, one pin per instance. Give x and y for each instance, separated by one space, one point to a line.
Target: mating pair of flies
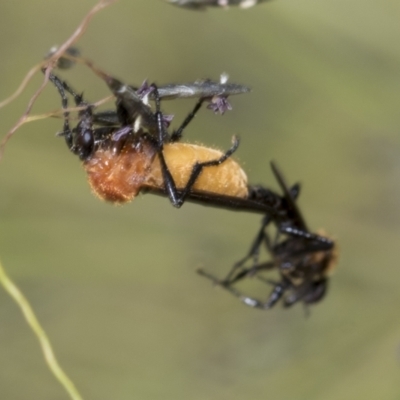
131 149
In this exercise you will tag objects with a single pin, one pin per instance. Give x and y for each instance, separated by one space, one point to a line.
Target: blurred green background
115 287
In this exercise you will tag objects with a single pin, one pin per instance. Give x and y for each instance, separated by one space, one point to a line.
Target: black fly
304 260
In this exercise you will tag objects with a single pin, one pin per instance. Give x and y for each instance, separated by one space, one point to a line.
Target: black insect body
139 149
123 157
303 260
129 150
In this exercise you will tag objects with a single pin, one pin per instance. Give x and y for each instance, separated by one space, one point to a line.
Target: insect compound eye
84 144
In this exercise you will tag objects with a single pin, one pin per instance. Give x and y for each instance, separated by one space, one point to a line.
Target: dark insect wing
296 218
106 118
132 103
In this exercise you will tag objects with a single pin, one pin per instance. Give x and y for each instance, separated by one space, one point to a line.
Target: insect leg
66 132
321 242
251 271
80 140
177 199
262 237
177 134
274 297
254 249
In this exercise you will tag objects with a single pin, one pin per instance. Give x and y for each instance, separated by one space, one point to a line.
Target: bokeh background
115 287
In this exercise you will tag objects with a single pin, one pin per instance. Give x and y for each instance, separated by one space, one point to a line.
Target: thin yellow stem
34 324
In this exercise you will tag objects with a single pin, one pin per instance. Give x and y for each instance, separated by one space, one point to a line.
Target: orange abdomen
118 177
227 178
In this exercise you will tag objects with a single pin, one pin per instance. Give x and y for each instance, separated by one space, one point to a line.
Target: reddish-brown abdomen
118 177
